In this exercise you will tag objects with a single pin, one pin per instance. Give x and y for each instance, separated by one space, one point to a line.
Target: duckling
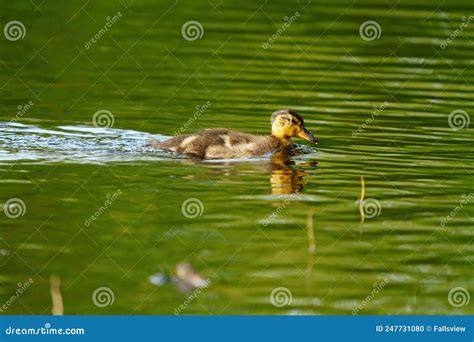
223 143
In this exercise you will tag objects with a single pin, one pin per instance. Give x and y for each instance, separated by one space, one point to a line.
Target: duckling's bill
307 135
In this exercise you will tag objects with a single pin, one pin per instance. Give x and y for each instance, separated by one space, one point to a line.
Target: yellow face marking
286 126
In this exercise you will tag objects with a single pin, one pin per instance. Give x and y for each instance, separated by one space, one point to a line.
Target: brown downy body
223 143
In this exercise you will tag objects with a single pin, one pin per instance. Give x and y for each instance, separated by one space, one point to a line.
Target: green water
251 235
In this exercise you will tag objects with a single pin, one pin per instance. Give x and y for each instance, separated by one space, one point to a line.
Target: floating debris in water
188 279
185 278
158 279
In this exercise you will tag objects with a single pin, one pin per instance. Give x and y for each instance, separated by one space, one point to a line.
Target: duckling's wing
195 144
234 144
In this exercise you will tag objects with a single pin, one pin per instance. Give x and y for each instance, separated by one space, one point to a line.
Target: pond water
96 208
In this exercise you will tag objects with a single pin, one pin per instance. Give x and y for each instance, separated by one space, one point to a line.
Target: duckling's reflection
286 177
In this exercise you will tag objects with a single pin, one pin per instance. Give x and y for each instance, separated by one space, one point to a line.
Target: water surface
380 109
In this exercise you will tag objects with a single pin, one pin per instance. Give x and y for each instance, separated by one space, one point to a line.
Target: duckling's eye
285 122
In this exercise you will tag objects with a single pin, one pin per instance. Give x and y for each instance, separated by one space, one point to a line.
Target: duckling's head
287 123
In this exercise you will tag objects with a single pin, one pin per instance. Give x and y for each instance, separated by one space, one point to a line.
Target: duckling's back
217 143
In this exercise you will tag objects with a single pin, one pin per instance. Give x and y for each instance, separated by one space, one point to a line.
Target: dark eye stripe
292 120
